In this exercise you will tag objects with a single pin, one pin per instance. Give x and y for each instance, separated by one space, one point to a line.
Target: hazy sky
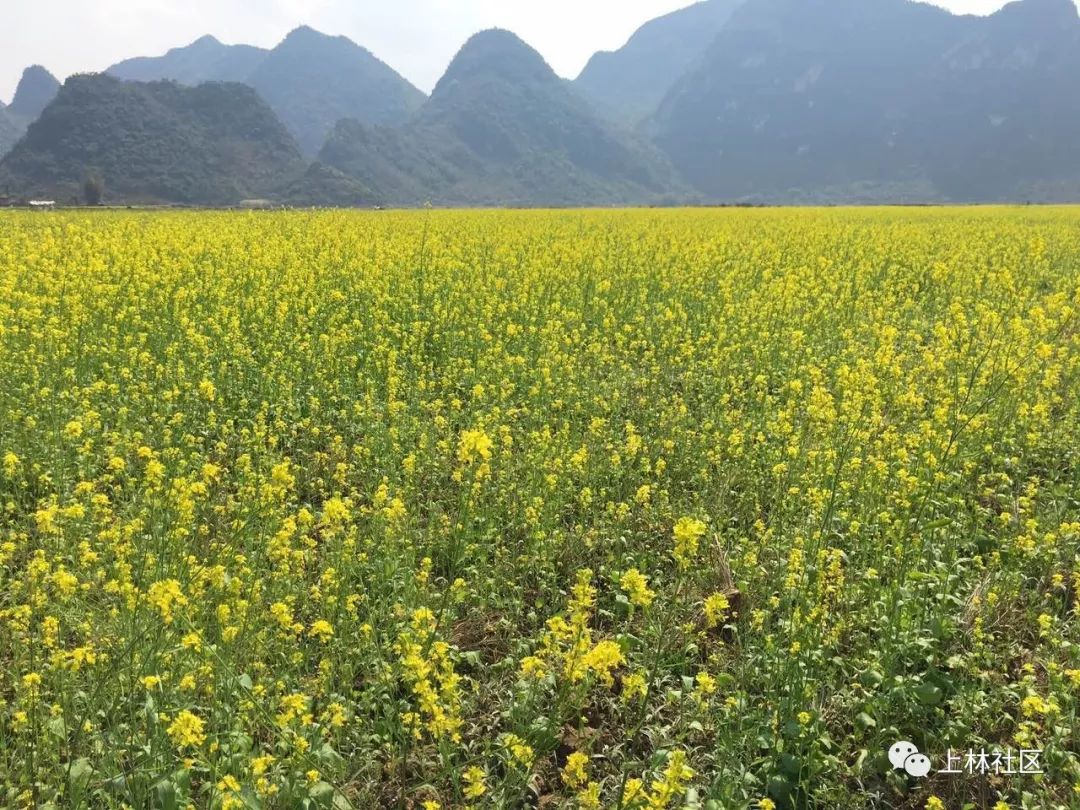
417 37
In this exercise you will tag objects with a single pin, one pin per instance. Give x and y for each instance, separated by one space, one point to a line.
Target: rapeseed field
650 509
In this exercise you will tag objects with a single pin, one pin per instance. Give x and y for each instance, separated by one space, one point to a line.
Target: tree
93 188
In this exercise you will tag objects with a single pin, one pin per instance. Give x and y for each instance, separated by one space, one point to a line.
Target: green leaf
871 678
328 757
165 795
928 694
860 759
58 728
79 774
322 793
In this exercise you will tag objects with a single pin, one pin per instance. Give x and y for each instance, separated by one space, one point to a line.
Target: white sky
416 37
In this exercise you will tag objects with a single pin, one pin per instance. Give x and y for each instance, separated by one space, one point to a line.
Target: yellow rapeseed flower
187 730
636 586
687 533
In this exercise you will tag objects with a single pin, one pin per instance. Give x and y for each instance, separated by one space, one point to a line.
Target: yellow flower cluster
636 586
427 667
671 784
716 608
165 596
567 648
687 533
187 730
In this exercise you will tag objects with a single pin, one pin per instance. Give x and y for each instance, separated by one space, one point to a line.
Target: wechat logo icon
905 756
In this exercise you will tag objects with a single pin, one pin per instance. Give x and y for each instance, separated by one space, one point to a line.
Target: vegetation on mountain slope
311 80
795 97
156 142
501 128
205 60
628 84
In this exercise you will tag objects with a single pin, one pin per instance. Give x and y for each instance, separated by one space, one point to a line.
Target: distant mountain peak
206 59
495 35
306 35
501 128
881 99
313 80
38 73
628 84
36 89
1064 11
496 51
